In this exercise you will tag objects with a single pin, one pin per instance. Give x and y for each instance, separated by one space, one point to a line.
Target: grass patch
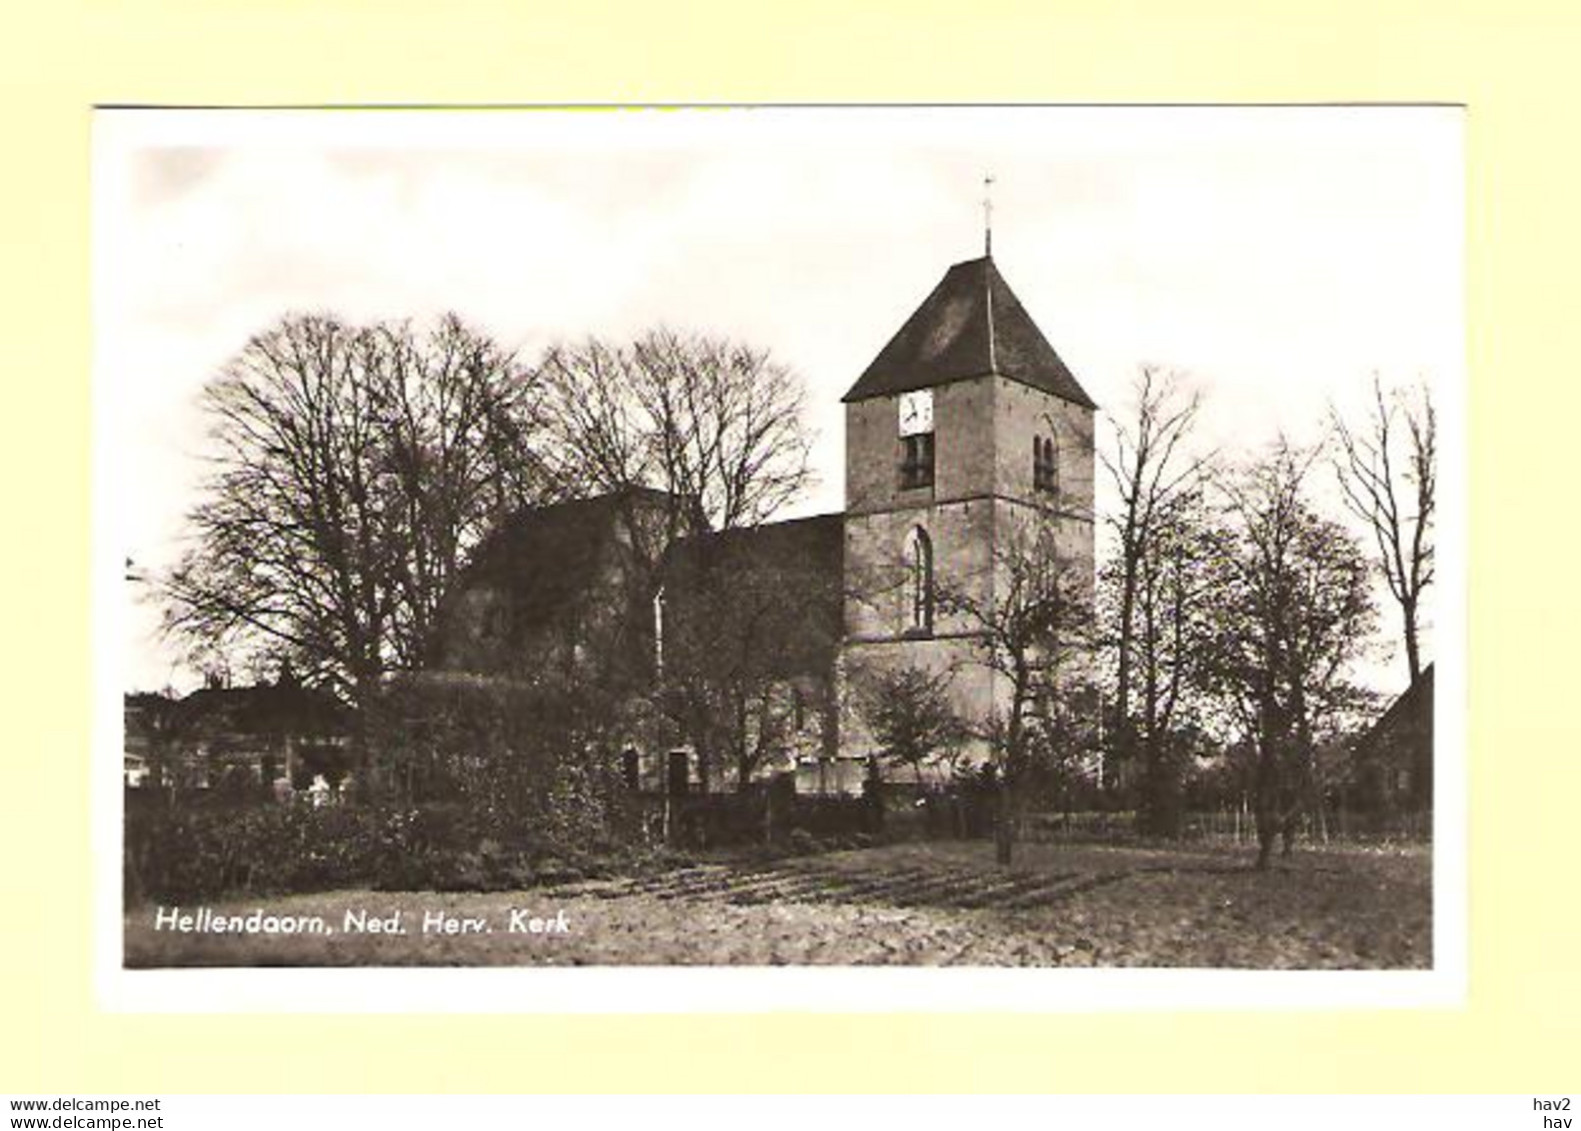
914 904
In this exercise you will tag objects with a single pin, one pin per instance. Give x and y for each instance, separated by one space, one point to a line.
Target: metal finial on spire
988 214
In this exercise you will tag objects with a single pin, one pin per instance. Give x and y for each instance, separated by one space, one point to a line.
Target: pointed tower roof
972 325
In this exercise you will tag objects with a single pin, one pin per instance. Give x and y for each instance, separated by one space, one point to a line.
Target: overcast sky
1279 256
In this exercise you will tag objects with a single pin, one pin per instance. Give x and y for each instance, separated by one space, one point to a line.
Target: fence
773 813
1234 824
763 814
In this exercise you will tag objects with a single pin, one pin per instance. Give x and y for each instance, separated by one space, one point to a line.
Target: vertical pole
988 215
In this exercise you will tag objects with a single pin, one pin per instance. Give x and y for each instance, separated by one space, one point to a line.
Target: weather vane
988 214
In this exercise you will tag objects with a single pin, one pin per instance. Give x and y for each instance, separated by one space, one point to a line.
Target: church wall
804 719
963 415
871 455
983 489
963 420
982 445
975 691
875 566
877 616
1022 413
1019 524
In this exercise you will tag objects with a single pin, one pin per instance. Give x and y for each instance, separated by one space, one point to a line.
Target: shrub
527 761
482 784
201 852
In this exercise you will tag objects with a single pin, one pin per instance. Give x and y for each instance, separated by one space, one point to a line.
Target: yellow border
1513 65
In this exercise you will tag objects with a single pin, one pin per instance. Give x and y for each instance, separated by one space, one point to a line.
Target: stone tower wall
983 487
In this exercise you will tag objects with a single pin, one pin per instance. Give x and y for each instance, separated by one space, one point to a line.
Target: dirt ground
924 904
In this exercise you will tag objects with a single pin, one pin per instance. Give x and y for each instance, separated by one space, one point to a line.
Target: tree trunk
1004 832
1122 699
1004 839
1413 657
1160 816
1304 792
1266 834
702 744
1266 799
1266 811
357 740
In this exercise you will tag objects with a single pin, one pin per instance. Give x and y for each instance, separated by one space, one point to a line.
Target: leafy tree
1292 610
1150 589
1062 734
909 713
1171 627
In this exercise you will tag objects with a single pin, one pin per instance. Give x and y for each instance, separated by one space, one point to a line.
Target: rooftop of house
545 557
1410 713
265 708
816 542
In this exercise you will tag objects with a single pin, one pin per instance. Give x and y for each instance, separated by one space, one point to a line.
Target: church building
966 436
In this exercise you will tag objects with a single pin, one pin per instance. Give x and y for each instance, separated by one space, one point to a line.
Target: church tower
966 430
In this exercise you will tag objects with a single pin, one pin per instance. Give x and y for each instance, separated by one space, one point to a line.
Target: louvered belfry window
1045 471
916 460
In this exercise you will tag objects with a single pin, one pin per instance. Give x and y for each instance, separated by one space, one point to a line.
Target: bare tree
721 427
719 424
1031 621
1387 475
465 437
1155 477
1292 609
604 444
352 470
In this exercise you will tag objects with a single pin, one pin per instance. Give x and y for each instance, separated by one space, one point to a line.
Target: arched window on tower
919 581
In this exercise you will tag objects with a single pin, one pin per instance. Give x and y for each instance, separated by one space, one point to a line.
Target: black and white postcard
895 557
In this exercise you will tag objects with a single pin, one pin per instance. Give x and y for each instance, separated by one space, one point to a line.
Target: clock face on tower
916 412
